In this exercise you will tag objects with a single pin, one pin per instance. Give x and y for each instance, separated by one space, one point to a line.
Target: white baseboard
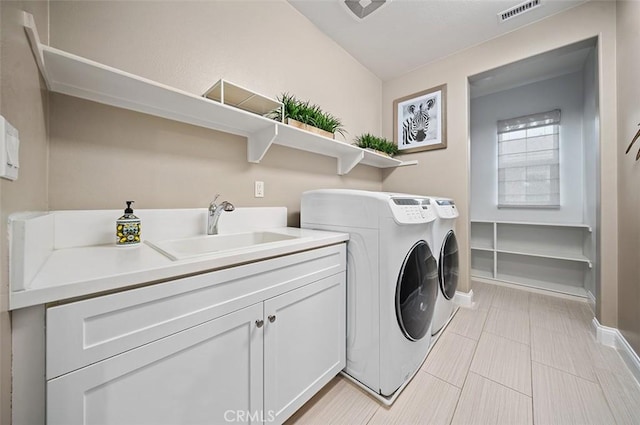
613 338
464 299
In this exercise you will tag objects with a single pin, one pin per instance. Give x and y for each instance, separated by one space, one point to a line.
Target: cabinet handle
259 323
272 318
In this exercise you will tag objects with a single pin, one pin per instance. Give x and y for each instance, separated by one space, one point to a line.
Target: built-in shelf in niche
76 76
549 256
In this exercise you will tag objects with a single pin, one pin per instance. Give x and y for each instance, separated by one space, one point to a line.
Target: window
529 161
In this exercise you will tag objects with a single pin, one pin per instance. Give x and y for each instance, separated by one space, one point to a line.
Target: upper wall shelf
79 77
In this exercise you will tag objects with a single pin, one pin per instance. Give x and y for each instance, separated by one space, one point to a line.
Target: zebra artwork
419 120
416 123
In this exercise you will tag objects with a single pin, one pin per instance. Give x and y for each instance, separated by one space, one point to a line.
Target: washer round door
417 291
448 266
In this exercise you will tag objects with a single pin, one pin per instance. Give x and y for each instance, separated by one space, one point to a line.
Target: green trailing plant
307 113
369 141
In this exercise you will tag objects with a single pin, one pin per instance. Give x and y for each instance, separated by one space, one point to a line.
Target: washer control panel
446 208
412 210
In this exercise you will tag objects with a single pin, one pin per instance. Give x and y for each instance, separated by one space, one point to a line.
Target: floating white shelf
536 223
76 76
548 254
482 248
482 273
577 291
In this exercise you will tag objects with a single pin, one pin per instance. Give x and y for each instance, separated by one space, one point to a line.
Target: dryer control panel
446 208
412 210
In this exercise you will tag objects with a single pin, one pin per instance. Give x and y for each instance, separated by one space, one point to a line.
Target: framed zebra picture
419 120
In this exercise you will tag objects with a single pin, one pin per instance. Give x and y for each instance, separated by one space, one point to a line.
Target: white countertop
86 270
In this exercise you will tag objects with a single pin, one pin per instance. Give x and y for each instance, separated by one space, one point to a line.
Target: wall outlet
258 189
9 148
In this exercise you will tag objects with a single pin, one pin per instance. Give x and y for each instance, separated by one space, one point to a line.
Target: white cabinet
243 362
542 255
192 377
304 344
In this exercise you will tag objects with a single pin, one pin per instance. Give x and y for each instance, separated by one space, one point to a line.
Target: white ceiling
403 35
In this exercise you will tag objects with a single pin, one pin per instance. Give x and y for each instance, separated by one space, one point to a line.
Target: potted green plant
379 144
307 116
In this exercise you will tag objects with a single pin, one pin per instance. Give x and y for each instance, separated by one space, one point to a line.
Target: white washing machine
392 279
446 247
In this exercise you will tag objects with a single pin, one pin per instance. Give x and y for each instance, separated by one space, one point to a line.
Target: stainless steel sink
180 249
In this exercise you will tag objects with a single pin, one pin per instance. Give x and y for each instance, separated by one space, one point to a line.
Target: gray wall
24 103
628 69
564 93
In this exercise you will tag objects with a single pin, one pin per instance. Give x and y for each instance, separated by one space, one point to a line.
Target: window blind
529 161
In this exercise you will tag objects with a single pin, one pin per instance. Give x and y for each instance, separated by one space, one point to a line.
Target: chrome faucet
215 210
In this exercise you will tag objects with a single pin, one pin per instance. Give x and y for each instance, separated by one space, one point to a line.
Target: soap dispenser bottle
128 228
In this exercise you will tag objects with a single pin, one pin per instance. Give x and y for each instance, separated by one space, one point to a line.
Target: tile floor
515 358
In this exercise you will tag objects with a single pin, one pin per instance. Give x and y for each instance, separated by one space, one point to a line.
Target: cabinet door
208 374
304 344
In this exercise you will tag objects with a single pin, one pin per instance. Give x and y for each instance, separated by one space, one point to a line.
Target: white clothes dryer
392 279
446 246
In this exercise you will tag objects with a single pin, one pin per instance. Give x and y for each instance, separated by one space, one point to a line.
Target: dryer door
416 291
448 266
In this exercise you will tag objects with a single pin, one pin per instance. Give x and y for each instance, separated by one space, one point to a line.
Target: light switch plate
9 150
258 189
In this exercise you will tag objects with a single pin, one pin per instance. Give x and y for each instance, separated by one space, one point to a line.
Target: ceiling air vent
518 10
363 8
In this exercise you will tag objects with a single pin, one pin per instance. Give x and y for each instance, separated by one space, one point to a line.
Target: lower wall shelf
539 255
538 284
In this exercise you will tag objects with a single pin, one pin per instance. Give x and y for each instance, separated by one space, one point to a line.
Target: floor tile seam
464 382
444 380
606 399
561 370
502 384
361 391
452 330
533 412
580 339
440 379
510 339
513 310
626 374
597 383
457 334
539 307
510 310
571 335
464 336
374 414
475 343
572 321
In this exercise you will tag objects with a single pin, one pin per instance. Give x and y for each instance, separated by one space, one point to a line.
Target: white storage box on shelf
239 97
